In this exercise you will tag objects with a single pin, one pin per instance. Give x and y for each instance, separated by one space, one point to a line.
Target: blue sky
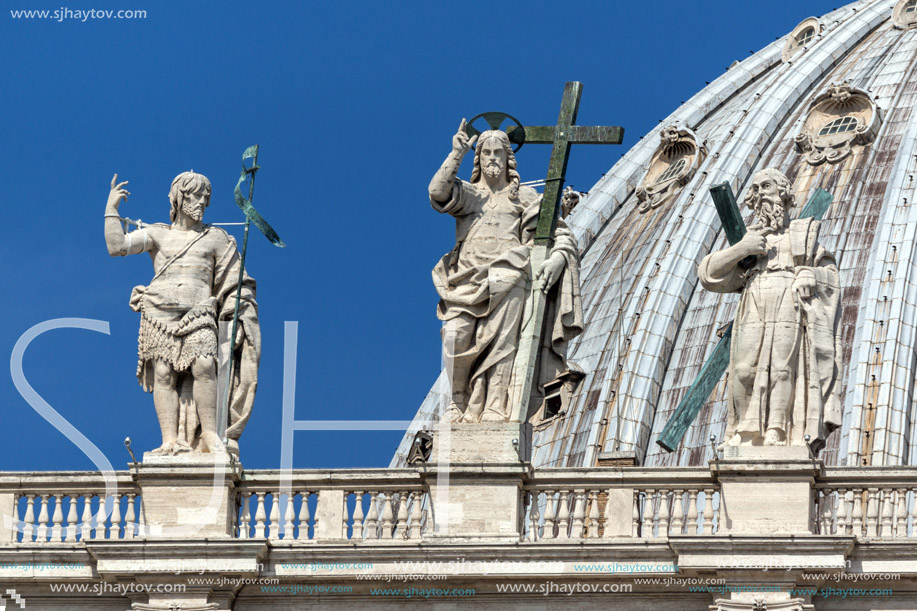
354 105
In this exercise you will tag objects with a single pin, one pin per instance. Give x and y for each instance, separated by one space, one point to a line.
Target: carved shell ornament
673 164
838 120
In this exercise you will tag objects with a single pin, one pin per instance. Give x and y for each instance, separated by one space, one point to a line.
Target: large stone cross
561 136
712 371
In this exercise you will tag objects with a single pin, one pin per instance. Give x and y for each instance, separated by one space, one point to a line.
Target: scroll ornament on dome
672 166
839 119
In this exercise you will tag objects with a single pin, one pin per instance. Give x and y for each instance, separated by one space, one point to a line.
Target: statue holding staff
482 282
784 371
197 272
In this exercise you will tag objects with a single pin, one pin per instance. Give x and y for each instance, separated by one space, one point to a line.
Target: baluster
888 511
427 522
827 500
593 532
579 514
86 519
858 512
116 516
304 515
70 530
260 516
663 513
274 529
901 514
678 520
549 513
841 511
16 526
357 516
245 518
534 516
708 511
288 516
649 514
634 518
386 515
371 525
58 518
692 513
28 528
345 513
401 519
913 513
131 518
316 517
416 504
43 520
563 517
872 513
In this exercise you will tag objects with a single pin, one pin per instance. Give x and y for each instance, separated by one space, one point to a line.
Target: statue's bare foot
735 441
774 437
454 413
163 450
180 447
492 416
472 414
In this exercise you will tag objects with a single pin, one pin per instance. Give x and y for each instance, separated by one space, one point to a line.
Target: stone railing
650 503
358 505
68 506
866 502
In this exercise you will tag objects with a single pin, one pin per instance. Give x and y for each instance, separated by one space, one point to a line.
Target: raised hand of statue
117 194
754 242
461 143
550 271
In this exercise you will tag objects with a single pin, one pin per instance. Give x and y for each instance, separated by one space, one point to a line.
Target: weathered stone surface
188 496
197 275
785 352
483 281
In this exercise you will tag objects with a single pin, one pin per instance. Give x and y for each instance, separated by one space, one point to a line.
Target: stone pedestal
488 443
767 490
190 495
475 479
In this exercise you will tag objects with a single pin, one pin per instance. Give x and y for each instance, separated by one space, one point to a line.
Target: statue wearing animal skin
196 277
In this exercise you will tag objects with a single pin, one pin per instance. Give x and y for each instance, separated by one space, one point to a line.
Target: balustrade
67 507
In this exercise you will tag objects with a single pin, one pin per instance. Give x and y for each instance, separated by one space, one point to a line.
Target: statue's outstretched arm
119 243
441 185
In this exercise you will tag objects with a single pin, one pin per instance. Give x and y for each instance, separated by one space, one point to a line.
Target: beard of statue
494 169
769 213
194 211
772 215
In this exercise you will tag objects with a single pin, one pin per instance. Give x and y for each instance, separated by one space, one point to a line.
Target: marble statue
482 282
785 356
196 276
